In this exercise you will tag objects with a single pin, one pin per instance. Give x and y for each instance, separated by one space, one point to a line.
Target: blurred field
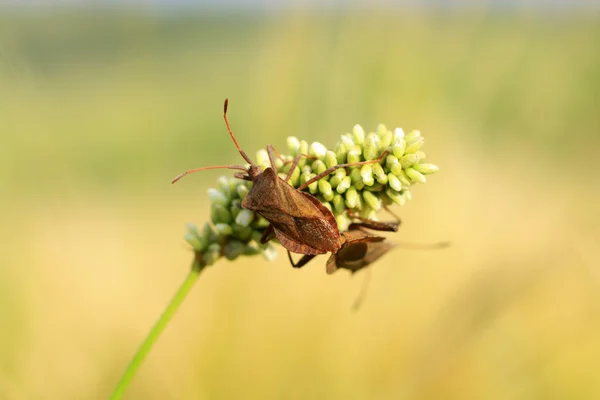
99 111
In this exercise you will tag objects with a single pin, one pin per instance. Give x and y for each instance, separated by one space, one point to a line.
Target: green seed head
362 189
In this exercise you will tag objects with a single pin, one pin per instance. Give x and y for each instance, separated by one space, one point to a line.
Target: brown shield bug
300 222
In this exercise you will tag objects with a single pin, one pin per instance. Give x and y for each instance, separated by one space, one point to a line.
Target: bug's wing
359 250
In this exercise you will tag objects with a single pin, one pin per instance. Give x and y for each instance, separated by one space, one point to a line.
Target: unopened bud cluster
363 190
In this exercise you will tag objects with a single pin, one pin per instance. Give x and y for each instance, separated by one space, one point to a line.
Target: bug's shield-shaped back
301 223
358 251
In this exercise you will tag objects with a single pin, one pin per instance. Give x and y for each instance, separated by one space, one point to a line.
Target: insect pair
300 222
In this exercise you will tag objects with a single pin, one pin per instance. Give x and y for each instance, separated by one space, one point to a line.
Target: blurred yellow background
100 108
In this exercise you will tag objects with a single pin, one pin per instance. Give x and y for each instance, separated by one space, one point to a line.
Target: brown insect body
358 247
299 220
301 223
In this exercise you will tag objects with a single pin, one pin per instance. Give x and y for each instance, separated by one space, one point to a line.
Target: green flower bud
366 173
394 182
404 179
359 203
354 154
407 195
390 161
317 150
415 175
262 158
381 180
415 145
409 160
339 205
376 187
233 249
293 145
326 204
385 137
251 250
278 164
325 189
303 150
295 177
421 155
245 217
396 169
347 141
242 191
220 213
395 196
372 200
340 152
426 168
208 233
260 222
352 198
371 146
233 185
368 213
343 222
223 229
223 184
313 187
398 134
235 208
344 185
243 233
379 172
356 178
318 166
270 253
330 159
217 197
256 238
193 229
399 149
381 130
358 134
196 243
212 254
411 136
337 177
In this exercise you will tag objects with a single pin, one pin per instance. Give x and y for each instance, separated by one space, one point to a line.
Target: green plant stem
155 332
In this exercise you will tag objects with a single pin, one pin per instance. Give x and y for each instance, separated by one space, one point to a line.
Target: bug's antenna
178 177
244 155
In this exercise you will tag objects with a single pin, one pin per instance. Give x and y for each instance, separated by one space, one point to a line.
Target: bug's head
253 171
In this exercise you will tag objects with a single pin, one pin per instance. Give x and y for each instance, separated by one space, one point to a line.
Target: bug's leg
267 235
271 150
279 155
295 162
385 226
360 297
302 262
330 170
397 218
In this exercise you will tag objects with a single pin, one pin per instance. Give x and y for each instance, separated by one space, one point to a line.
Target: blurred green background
100 108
